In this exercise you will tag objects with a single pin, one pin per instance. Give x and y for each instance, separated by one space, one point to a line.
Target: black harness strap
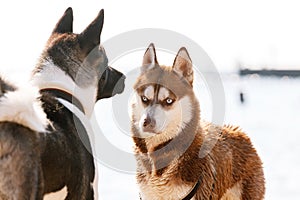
64 95
192 193
194 190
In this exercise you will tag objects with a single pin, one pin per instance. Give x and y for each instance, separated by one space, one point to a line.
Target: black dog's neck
64 95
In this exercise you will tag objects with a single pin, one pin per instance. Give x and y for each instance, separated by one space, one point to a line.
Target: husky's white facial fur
165 118
23 107
169 121
53 77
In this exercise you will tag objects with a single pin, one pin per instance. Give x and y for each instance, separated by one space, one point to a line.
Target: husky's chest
156 189
164 187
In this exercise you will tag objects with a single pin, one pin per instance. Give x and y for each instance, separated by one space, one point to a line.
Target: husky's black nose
149 124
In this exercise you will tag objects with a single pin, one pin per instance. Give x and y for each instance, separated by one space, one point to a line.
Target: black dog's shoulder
55 111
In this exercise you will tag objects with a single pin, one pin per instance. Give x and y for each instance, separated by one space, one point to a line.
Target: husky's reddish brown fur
223 158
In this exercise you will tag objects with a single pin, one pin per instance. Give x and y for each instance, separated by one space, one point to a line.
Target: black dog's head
111 81
81 56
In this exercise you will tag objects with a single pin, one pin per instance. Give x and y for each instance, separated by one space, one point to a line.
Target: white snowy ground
270 116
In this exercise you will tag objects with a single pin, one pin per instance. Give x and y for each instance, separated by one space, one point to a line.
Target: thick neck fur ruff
22 106
52 76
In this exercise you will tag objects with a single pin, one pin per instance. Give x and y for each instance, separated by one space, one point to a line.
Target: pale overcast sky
257 32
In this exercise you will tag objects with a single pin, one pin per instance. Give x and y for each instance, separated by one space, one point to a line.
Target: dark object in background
271 72
242 98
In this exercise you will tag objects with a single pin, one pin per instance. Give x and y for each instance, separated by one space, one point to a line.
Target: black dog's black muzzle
111 82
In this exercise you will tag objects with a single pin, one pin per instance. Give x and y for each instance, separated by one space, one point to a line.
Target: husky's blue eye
169 101
144 99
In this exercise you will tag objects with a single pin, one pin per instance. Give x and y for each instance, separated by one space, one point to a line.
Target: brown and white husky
168 136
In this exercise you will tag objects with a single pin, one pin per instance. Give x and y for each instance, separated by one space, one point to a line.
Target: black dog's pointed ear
149 59
90 37
65 23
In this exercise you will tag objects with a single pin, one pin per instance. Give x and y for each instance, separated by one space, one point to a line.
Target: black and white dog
44 144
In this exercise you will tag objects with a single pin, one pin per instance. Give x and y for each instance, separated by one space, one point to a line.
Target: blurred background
254 45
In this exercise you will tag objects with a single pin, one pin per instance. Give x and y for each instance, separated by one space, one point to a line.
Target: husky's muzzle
148 124
111 83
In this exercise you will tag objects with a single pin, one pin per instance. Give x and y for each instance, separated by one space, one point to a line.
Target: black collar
64 95
194 190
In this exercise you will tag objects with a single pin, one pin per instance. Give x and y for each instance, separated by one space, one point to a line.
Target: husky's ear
65 23
90 37
149 59
183 65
